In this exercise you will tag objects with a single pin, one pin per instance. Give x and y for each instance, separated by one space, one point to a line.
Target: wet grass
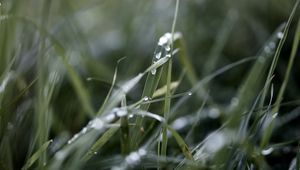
69 99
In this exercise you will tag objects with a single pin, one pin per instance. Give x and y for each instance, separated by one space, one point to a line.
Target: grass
76 91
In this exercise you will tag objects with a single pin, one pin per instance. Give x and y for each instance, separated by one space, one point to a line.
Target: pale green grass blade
161 91
220 42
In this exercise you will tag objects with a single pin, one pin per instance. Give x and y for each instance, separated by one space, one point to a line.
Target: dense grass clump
156 84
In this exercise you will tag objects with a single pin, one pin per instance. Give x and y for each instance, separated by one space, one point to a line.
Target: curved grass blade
110 90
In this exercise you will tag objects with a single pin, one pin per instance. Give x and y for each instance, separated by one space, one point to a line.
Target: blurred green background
97 33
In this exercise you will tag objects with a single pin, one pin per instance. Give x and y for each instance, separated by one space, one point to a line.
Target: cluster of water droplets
100 123
163 48
271 46
132 159
213 143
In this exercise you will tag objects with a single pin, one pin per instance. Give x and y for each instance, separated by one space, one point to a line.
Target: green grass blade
220 42
161 91
167 106
80 89
298 157
267 134
253 82
36 155
125 138
282 37
183 146
185 60
110 91
100 142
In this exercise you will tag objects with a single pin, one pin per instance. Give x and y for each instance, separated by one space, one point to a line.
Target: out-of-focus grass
102 85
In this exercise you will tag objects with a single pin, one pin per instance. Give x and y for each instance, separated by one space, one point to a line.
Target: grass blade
267 134
183 146
36 155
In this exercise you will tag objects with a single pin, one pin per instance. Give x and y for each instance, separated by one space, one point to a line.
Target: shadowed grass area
162 84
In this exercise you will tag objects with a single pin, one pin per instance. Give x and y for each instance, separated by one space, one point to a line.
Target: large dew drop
280 35
97 124
153 71
158 55
267 151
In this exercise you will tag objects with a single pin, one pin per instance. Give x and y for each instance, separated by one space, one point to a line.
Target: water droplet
130 116
89 79
116 168
158 55
168 55
84 130
73 139
146 98
167 48
267 151
234 101
180 123
190 93
44 164
95 153
215 142
121 112
274 115
133 158
97 124
214 113
54 77
165 39
131 83
280 35
153 71
142 152
60 155
261 59
110 117
272 45
10 126
267 50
